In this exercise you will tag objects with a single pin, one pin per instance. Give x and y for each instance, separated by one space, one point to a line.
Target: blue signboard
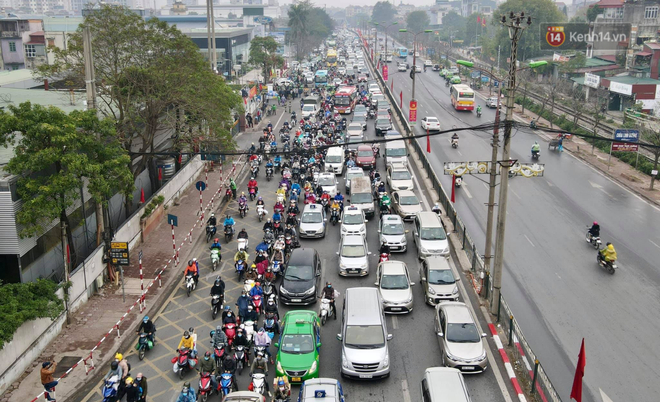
172 220
200 185
626 135
475 74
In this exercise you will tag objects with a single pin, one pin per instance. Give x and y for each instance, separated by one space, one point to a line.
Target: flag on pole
378 65
483 22
478 19
401 99
142 196
576 391
428 142
392 85
453 186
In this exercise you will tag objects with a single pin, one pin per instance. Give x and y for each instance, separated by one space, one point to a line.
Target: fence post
510 329
536 372
464 229
474 257
487 285
499 306
454 220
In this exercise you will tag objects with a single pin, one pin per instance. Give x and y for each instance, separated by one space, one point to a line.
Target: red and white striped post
176 254
206 171
143 304
201 209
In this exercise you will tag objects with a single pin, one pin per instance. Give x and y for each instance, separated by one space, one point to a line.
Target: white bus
462 97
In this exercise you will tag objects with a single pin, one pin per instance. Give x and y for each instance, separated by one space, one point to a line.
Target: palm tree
298 19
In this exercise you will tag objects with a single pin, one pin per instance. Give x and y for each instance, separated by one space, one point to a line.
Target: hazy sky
345 3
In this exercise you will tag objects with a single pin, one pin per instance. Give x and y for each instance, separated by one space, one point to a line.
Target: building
469 7
43 6
57 31
14 37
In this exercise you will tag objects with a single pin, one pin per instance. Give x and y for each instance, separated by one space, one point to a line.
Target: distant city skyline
346 3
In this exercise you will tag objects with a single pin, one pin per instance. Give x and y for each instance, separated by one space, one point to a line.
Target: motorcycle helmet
114 365
186 334
207 355
243 193
328 284
280 383
190 262
595 223
259 199
227 308
186 387
212 214
119 356
253 266
129 381
145 319
250 308
216 240
257 284
194 259
227 216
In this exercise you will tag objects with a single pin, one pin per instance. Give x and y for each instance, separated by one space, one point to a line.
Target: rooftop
626 79
18 79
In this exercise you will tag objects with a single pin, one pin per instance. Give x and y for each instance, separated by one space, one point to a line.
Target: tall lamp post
375 50
413 73
386 28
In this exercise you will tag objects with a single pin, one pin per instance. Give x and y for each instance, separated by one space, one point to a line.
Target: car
312 221
298 346
388 58
428 63
337 82
392 231
417 54
436 67
406 204
341 70
355 128
376 92
453 70
395 287
382 114
429 235
361 119
360 109
382 125
392 135
354 141
399 178
438 281
401 67
444 72
302 278
455 79
459 338
352 173
244 396
362 77
418 68
365 156
284 81
384 105
377 97
491 102
308 110
321 389
353 221
328 182
353 255
373 88
430 123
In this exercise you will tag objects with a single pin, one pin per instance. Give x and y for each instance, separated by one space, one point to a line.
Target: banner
624 147
253 92
385 72
412 113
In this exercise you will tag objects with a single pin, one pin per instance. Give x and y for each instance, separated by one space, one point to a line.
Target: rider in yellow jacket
609 253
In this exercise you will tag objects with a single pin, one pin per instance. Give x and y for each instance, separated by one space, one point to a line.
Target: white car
395 287
353 221
337 81
308 111
418 68
428 63
328 182
341 70
389 58
399 178
354 129
373 88
312 221
431 123
401 67
353 255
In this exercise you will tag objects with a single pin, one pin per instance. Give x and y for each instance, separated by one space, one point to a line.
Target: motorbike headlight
313 368
431 291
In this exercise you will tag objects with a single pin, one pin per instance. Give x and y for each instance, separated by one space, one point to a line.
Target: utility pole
516 24
210 35
488 255
413 73
90 87
65 255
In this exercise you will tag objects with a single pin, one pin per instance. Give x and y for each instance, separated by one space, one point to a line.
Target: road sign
412 115
624 147
626 135
200 185
172 220
119 253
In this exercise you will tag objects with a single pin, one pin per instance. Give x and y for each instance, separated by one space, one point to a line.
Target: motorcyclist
212 221
270 276
219 337
334 204
293 208
478 109
256 290
229 363
242 303
381 187
207 365
290 230
384 248
536 148
325 196
218 287
260 363
147 327
253 149
339 198
241 339
253 184
229 318
229 222
436 209
192 269
216 245
187 342
268 225
608 253
241 255
282 389
594 231
232 186
187 394
329 293
242 199
277 217
242 234
262 339
115 370
454 137
260 201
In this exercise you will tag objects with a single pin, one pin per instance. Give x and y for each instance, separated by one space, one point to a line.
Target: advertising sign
385 72
624 147
591 80
626 135
119 253
412 115
620 88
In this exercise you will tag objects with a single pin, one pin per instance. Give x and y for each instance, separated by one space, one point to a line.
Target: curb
529 368
507 363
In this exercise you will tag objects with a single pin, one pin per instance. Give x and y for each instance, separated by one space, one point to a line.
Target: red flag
160 174
428 142
576 391
142 196
483 22
401 99
68 255
392 85
478 18
453 186
378 65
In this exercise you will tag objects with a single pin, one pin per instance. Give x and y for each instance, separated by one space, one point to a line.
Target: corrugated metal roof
626 79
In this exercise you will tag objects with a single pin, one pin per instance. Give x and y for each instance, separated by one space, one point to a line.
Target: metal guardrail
543 391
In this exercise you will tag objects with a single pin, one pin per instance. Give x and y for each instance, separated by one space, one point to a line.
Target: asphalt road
552 282
413 348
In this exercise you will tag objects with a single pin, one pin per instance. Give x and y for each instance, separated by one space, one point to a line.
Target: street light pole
414 73
516 25
386 28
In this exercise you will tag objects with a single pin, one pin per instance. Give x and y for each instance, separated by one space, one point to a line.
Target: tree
309 26
592 13
143 87
54 156
231 16
417 21
453 24
263 53
298 20
576 101
383 11
599 98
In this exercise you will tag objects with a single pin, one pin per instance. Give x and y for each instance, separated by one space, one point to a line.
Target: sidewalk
93 324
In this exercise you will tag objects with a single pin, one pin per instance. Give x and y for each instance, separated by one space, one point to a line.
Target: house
14 37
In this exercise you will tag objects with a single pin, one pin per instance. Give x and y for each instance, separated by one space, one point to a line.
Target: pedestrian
132 391
141 382
248 118
47 380
560 145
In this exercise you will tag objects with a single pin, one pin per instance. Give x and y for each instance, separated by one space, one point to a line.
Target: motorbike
383 257
216 304
240 355
478 112
205 388
334 216
110 389
610 266
248 330
218 352
242 244
182 362
324 203
253 193
277 226
226 384
536 155
261 212
459 182
242 209
230 332
210 232
269 173
229 233
371 114
277 164
446 83
144 344
268 289
277 266
258 384
269 324
255 171
215 258
190 284
240 269
326 311
454 143
593 240
228 195
257 301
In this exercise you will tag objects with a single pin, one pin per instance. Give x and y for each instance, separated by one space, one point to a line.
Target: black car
302 276
436 67
383 125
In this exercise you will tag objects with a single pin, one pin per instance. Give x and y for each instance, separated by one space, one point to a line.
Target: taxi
299 346
321 390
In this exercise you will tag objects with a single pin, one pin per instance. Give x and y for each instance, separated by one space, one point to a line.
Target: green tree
55 155
529 45
144 87
453 24
383 11
309 26
263 53
298 21
417 21
592 13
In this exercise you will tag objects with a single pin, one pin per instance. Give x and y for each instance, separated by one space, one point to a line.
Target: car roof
329 385
393 267
366 301
363 147
302 321
326 174
390 218
300 255
456 312
405 193
436 262
353 210
244 396
352 240
397 166
313 208
430 219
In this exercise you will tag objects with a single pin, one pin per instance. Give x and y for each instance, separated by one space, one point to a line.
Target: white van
361 195
334 160
396 152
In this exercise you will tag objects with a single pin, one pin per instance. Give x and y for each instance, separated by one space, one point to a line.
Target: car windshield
312 217
353 219
355 127
361 198
334 159
365 153
326 181
359 118
342 100
395 152
441 277
393 229
308 108
393 282
299 273
463 333
353 250
431 120
383 122
297 344
364 336
401 175
433 234
360 108
409 200
378 97
352 175
354 139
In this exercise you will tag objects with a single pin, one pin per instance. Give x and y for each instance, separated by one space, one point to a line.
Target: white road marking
395 322
595 185
459 152
467 192
654 243
558 275
485 185
406 391
514 193
605 397
549 184
530 242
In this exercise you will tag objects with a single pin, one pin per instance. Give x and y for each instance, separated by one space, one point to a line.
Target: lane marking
395 322
514 193
459 152
558 275
486 185
467 192
406 391
654 243
530 242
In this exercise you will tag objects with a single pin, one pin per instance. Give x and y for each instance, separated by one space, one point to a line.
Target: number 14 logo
555 36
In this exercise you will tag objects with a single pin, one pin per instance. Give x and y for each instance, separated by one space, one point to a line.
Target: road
413 348
551 279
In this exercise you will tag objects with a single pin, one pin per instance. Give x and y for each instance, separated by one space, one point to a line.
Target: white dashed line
406 391
466 191
530 242
654 243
